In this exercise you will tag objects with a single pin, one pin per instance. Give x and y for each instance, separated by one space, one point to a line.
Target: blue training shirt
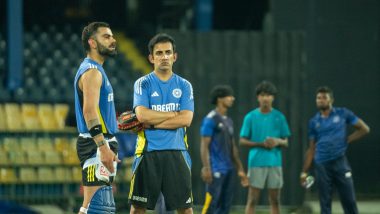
220 129
106 107
175 94
330 133
258 126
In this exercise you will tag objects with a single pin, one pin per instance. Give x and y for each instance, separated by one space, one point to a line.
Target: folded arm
164 120
245 142
181 119
151 117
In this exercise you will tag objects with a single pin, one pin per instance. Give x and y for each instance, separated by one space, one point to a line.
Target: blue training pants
219 193
336 173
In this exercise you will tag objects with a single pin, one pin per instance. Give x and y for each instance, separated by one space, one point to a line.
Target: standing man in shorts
328 142
265 132
219 154
164 102
96 119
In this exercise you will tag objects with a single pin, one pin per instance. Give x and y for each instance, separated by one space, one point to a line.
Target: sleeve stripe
138 86
93 66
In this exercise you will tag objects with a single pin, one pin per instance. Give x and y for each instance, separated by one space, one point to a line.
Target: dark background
333 43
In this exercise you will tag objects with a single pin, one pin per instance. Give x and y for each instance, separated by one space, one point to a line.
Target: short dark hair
89 31
325 90
220 91
160 38
266 87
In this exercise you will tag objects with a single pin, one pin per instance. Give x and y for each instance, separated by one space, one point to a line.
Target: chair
68 94
61 144
11 144
52 29
17 157
28 144
30 116
3 124
35 157
4 160
53 95
45 144
13 116
7 175
36 95
5 95
71 144
57 54
28 175
20 96
28 37
47 118
70 157
76 174
62 174
45 174
60 113
53 157
30 82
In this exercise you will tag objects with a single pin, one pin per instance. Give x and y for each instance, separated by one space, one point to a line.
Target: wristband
83 210
101 143
303 175
95 130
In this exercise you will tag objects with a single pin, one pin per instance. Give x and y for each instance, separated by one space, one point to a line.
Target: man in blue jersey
265 132
219 153
95 115
328 142
164 102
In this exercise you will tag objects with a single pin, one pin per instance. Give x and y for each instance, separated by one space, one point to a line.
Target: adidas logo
188 200
155 94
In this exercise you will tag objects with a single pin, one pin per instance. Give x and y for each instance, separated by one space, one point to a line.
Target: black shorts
86 149
162 171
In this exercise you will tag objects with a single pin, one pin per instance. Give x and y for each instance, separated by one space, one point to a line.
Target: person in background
328 142
219 153
264 131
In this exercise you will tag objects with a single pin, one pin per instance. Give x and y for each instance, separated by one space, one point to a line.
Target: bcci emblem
317 125
336 119
177 93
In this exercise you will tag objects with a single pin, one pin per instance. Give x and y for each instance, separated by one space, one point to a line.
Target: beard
324 108
104 51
